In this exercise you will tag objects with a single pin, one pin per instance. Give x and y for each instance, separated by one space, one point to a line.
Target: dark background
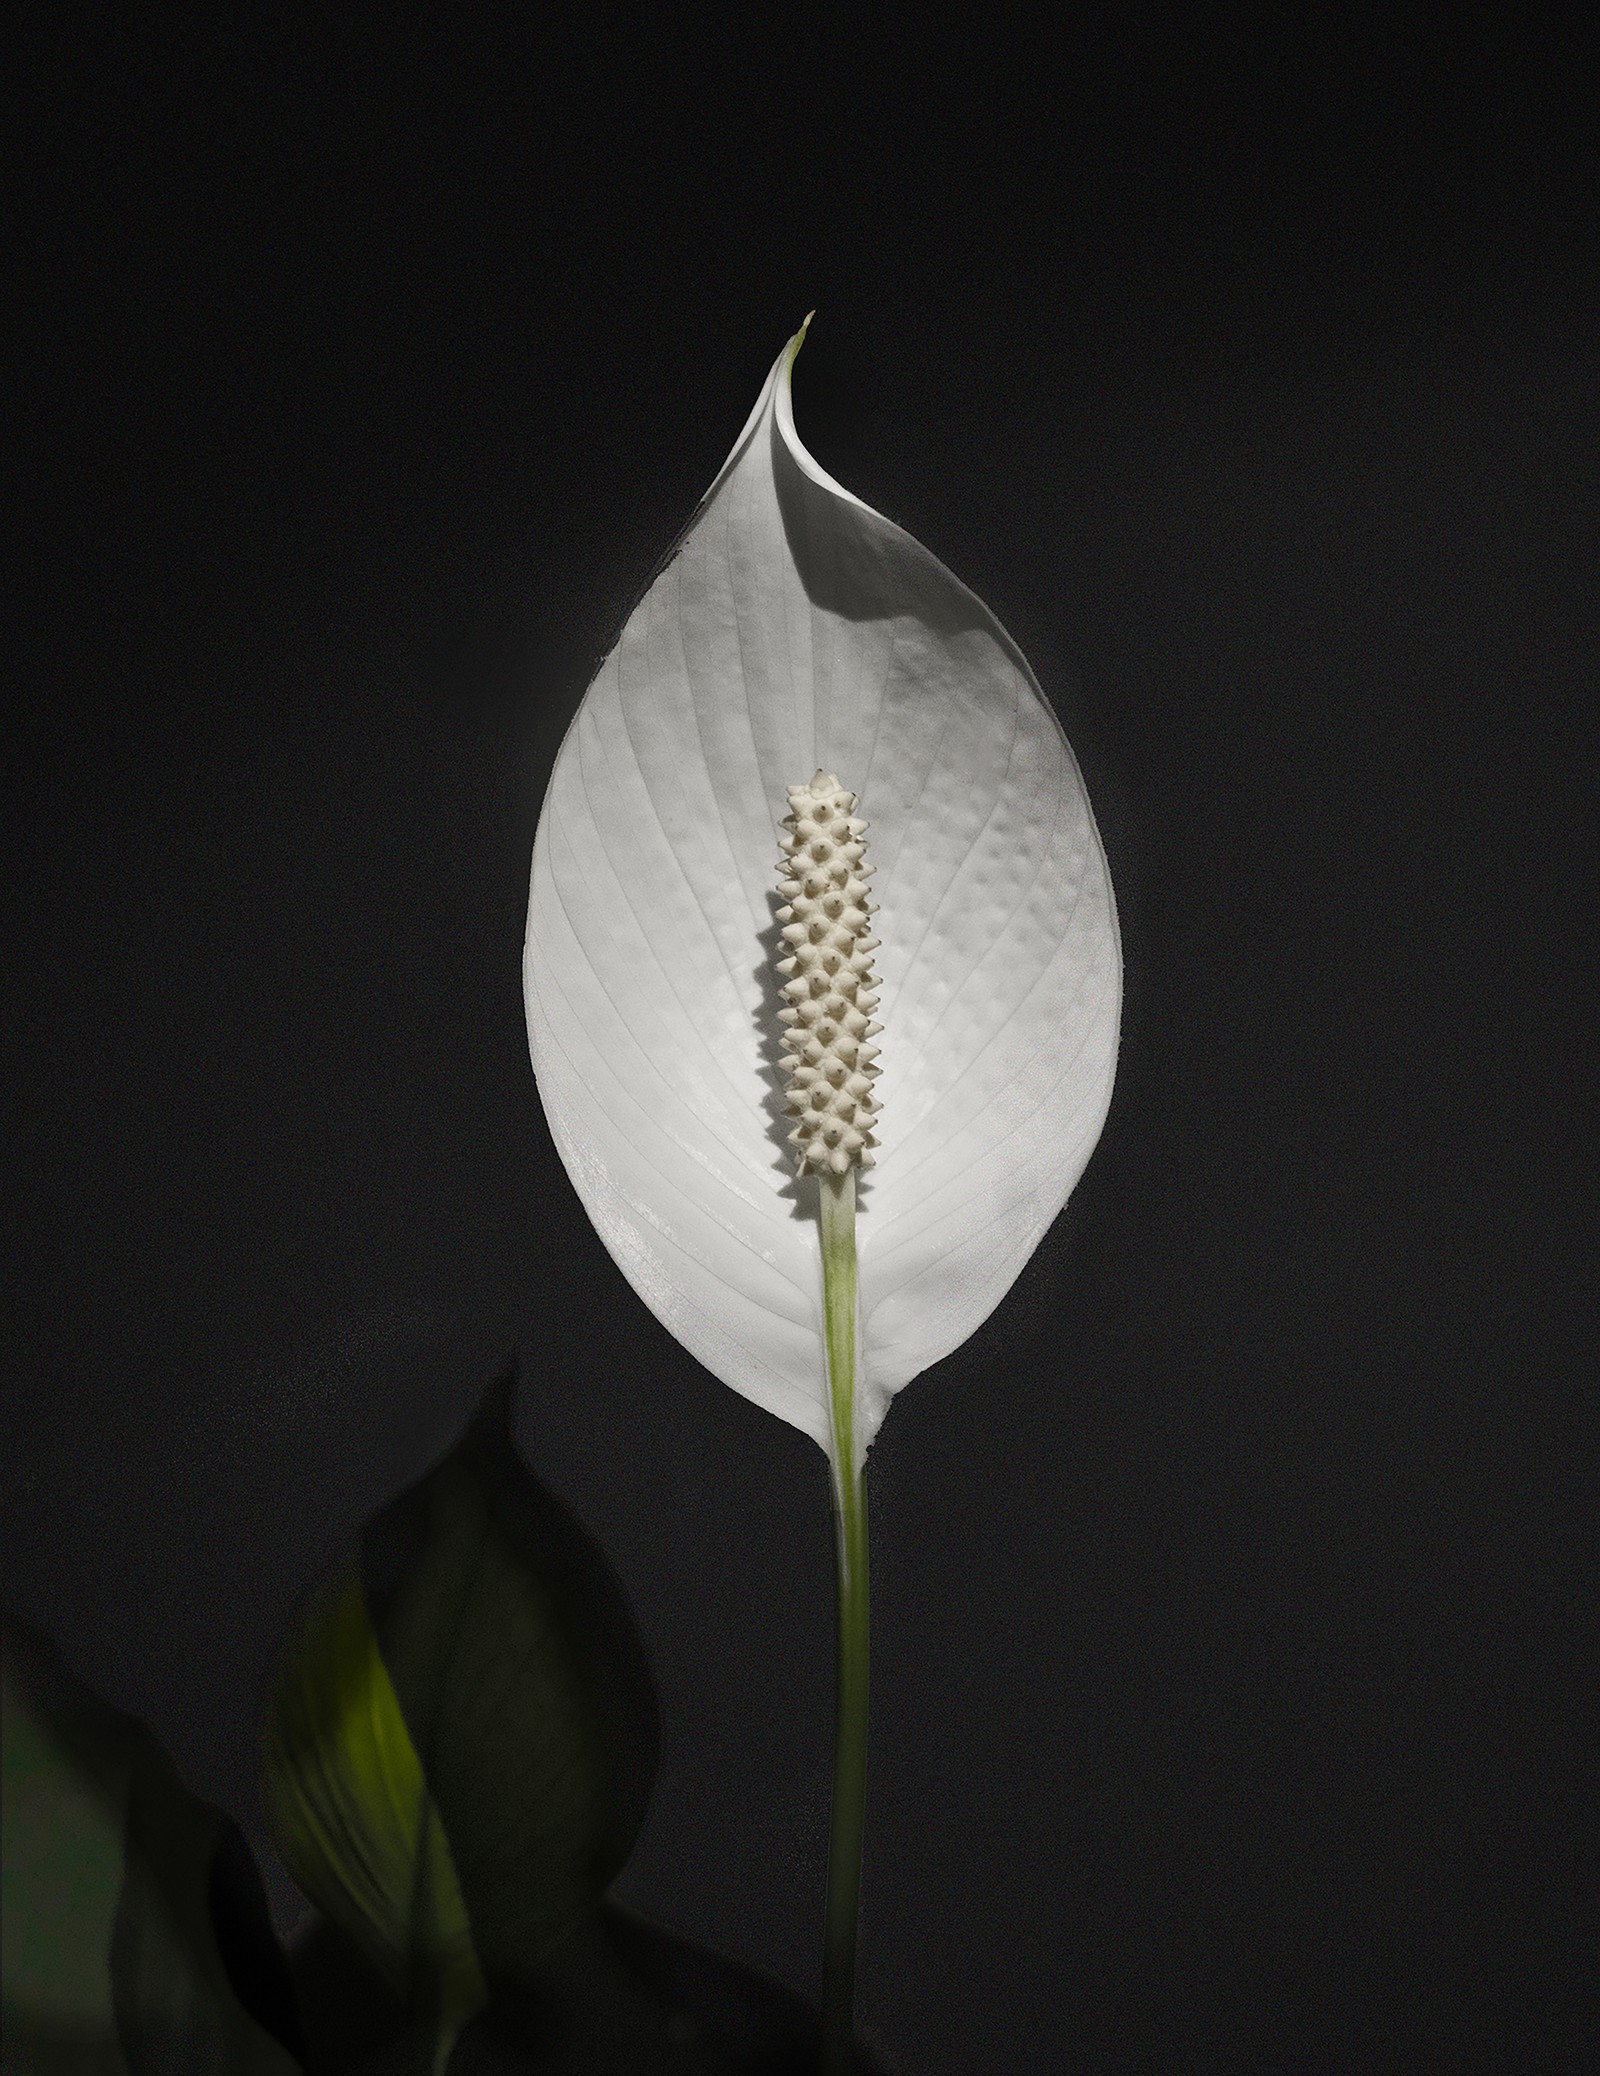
1233 1585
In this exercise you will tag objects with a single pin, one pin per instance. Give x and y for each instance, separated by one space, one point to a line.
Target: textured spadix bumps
827 979
792 629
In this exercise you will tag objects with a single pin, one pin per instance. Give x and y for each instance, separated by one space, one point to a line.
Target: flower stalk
838 1223
831 1065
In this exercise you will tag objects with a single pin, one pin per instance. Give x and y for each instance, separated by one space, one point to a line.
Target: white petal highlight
796 629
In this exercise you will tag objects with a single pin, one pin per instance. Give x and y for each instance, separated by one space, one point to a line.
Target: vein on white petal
877 719
647 1127
1061 963
999 934
790 735
593 712
710 1114
632 711
902 821
709 1118
669 1299
585 1153
972 1201
937 848
979 1229
614 1097
999 953
671 709
938 965
944 1324
964 1171
664 700
658 933
724 754
945 1148
661 931
801 681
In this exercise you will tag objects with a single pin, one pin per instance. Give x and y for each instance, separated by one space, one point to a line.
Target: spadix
827 979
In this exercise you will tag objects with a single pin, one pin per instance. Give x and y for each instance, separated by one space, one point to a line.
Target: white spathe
795 628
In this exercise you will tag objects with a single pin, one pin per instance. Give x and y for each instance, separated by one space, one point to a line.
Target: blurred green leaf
353 1816
110 1959
462 1741
621 1997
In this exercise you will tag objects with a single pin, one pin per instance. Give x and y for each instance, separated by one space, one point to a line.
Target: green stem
838 1204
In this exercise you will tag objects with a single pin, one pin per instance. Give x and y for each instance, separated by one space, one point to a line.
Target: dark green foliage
468 1722
136 1938
524 1686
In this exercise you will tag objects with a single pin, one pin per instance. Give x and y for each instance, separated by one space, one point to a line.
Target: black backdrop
1231 1594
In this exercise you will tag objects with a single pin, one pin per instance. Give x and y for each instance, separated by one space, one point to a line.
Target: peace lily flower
802 669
